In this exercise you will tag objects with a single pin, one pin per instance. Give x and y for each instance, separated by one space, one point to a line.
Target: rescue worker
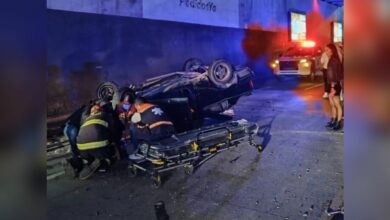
149 123
72 127
107 106
116 125
94 141
125 109
71 131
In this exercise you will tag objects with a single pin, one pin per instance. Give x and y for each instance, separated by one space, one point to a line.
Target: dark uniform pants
98 153
143 134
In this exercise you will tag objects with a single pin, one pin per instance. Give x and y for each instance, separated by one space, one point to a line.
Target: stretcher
192 148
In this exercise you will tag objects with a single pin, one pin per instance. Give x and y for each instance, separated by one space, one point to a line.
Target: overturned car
190 95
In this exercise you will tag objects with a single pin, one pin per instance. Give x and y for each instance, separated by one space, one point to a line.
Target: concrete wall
128 8
209 12
85 49
90 41
270 14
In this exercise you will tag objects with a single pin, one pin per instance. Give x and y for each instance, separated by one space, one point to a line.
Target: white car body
293 66
298 60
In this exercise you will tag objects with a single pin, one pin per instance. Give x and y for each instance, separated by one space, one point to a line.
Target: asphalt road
295 177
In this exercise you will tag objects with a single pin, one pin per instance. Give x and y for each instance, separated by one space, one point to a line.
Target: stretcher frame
190 160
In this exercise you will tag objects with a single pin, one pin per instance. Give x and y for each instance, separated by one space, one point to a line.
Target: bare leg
337 103
333 107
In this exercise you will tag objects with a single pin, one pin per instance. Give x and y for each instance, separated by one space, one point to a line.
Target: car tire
221 74
189 65
106 89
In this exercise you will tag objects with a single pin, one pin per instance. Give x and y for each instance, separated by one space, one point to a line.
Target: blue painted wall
85 49
90 41
268 13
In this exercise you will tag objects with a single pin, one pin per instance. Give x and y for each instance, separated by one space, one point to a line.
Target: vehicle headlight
275 64
306 64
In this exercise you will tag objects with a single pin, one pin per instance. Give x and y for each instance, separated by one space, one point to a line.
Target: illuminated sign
337 32
297 26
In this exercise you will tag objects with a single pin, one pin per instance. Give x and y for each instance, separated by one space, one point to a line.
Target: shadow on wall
259 46
65 95
256 43
56 92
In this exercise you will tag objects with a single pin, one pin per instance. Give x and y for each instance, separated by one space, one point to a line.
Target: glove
136 118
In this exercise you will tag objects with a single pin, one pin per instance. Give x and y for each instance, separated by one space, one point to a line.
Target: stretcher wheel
259 148
132 171
189 169
156 181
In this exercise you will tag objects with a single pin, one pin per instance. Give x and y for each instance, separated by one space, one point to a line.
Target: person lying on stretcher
148 123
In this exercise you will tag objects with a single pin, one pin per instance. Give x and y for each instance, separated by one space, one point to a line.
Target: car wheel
192 64
107 90
132 171
156 181
189 169
221 74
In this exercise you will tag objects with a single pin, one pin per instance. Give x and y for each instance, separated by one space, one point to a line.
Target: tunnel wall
85 49
90 41
270 14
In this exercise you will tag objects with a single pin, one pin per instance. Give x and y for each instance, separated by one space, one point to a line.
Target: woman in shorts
334 76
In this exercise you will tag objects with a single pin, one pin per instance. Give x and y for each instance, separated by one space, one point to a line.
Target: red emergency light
308 43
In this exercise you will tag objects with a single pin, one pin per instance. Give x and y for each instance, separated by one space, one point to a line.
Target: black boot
337 126
76 165
331 123
104 165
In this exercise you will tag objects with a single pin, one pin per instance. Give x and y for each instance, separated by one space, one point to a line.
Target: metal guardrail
57 150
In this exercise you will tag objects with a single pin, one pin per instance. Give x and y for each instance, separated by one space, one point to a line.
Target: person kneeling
149 123
94 142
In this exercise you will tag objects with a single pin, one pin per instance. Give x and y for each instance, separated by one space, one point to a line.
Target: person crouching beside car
94 141
148 123
125 109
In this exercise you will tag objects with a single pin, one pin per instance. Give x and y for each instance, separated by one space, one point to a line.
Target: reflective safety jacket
95 132
124 115
155 120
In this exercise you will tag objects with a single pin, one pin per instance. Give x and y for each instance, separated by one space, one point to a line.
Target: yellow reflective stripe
157 162
195 146
92 145
160 123
230 136
95 121
213 149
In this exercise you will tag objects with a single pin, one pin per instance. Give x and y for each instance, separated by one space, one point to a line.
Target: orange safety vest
153 116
